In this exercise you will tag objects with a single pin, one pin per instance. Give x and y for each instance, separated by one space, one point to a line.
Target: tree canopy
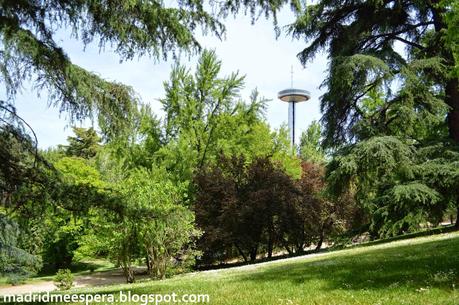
362 40
390 107
30 50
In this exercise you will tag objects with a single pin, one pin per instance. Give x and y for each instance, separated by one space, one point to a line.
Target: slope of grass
418 271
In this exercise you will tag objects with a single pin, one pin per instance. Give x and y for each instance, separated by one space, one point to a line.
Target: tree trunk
457 217
270 250
299 248
241 253
452 99
253 253
129 274
285 244
270 245
162 267
321 239
452 84
149 264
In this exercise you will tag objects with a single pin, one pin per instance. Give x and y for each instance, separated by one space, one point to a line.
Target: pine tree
84 144
29 49
133 28
362 40
392 116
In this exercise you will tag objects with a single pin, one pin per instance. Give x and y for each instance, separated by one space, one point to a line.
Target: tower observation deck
293 96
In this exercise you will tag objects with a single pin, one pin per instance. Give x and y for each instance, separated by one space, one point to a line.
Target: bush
63 279
16 279
182 263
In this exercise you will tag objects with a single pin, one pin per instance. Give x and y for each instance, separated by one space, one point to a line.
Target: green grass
423 270
97 265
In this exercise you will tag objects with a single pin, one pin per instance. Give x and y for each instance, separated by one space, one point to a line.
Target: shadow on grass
422 233
77 268
426 232
430 264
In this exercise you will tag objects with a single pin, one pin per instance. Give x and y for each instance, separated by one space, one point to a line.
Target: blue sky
250 49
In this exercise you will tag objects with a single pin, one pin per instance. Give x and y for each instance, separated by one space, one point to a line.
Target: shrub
63 279
16 279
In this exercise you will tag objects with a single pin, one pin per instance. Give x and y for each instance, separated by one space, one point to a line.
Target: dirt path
86 280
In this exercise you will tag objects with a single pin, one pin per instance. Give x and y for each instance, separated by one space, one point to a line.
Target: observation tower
293 96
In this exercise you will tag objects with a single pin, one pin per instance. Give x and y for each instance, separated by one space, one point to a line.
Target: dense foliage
391 116
254 208
128 199
211 181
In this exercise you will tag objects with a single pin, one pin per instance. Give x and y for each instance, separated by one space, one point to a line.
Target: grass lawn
423 270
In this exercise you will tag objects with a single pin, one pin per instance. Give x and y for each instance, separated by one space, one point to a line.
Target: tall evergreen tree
206 117
84 144
29 49
393 114
362 40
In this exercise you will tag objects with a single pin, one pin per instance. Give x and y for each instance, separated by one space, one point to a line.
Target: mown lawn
417 271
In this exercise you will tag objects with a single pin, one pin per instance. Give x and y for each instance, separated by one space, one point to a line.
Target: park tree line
211 181
135 199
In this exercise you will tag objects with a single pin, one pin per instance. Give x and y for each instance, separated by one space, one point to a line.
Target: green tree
310 146
65 219
26 183
361 38
394 116
153 225
167 227
205 118
194 104
14 261
400 186
85 144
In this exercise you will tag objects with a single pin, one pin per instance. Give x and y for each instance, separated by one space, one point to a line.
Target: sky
253 50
